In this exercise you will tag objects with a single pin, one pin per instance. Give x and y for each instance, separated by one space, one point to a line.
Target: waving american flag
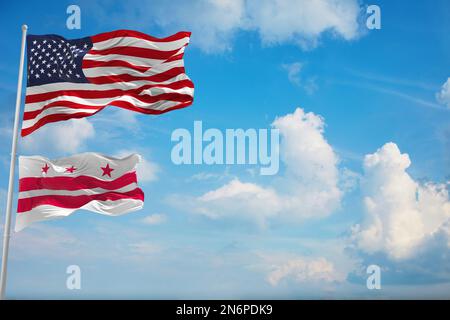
127 69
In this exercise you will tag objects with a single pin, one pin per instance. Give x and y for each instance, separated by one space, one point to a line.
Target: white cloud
154 219
444 95
293 70
302 270
303 21
215 23
401 213
294 75
308 189
240 198
66 136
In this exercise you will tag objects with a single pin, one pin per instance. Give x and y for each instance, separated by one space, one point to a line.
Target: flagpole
7 226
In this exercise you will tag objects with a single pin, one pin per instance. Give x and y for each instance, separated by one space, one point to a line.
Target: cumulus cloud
66 137
303 21
444 95
308 188
302 269
238 198
215 23
402 215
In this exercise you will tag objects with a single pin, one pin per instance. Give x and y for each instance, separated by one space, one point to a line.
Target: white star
34 42
54 70
37 75
42 70
77 75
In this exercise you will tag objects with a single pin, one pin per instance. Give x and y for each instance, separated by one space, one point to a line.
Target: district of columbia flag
77 78
50 189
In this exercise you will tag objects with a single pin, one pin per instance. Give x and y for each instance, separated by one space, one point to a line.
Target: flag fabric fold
77 78
49 189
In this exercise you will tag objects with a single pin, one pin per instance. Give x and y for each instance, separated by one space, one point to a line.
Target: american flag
124 68
50 189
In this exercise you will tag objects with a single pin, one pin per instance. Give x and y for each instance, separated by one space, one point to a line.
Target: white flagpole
7 226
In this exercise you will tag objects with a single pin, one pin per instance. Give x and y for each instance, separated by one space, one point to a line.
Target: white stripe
139 61
45 192
47 212
152 92
54 110
45 88
142 43
106 71
159 105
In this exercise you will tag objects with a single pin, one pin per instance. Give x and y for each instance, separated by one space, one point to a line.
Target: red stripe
136 34
177 97
136 52
121 104
75 183
54 118
29 115
129 106
112 63
73 202
93 94
160 77
175 57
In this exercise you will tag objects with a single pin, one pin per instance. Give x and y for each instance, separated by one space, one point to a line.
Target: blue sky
357 90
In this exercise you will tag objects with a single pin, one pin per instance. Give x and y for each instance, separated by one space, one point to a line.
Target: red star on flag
71 169
107 170
45 169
